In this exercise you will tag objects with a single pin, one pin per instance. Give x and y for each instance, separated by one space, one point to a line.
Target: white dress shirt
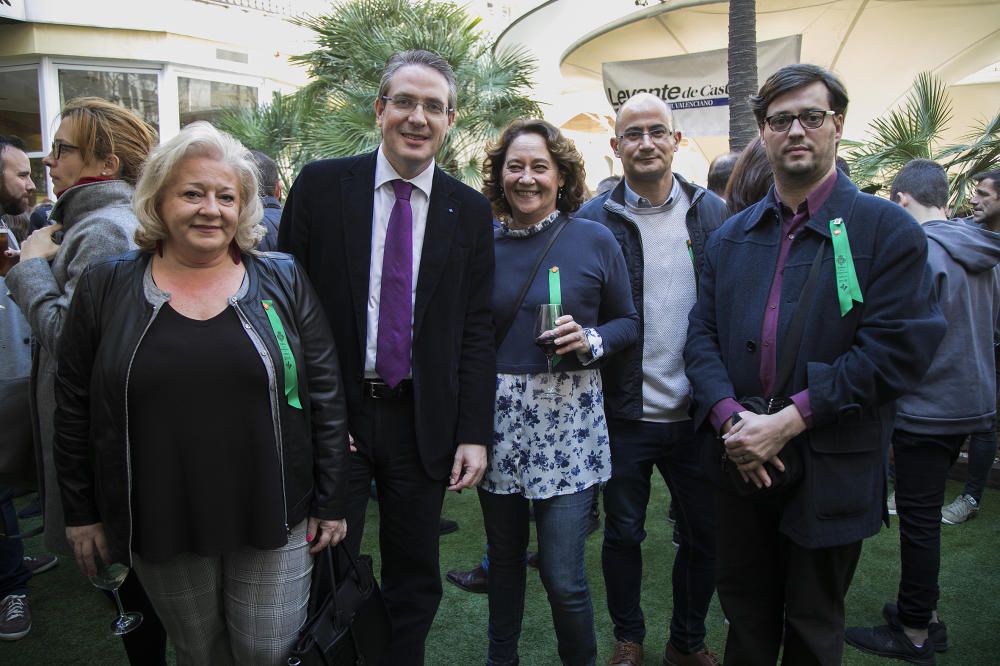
385 199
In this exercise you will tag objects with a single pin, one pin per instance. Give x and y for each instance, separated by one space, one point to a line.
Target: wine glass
545 321
110 577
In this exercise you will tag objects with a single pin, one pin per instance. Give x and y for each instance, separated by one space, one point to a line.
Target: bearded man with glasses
856 267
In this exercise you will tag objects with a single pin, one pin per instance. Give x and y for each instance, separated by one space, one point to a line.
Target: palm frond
903 134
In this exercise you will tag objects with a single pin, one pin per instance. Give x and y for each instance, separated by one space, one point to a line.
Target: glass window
38 176
133 90
20 113
203 100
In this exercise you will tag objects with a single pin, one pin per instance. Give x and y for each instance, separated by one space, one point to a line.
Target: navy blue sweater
594 284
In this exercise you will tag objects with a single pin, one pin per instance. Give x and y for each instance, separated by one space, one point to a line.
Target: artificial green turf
70 618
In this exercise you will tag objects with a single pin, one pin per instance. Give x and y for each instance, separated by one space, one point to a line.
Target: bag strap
790 345
504 324
323 582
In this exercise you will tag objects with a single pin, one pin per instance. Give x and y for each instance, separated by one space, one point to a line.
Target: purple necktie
395 307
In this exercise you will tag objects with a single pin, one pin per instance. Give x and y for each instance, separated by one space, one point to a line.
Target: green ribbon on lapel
848 289
287 358
555 296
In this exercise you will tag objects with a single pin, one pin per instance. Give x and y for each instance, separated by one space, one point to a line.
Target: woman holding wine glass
562 292
200 430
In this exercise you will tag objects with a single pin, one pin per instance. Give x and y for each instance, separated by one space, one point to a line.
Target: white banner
12 9
696 85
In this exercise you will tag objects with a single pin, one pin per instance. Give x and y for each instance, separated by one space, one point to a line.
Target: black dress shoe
938 631
446 526
473 580
887 641
533 558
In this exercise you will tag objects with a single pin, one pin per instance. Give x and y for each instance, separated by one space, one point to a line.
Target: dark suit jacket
327 225
854 365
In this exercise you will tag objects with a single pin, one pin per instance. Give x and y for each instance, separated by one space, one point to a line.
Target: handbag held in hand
348 624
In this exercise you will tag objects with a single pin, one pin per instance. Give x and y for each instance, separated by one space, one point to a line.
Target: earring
502 194
559 194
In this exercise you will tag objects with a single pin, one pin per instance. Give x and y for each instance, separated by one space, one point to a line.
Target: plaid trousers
244 607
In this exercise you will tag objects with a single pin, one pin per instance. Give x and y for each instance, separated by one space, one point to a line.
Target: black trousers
774 591
409 514
147 645
922 465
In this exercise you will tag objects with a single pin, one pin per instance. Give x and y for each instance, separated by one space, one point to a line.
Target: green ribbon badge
848 289
555 296
287 358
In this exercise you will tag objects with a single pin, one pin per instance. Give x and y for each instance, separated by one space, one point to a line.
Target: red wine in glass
547 343
545 321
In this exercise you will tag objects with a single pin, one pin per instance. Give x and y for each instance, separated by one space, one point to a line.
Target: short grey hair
425 59
199 139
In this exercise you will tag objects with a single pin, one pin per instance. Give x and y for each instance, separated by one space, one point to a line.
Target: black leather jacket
114 304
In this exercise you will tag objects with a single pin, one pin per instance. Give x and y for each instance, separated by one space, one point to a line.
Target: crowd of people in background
219 384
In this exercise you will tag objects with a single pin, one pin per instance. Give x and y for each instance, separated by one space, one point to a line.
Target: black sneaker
887 641
938 631
37 565
15 619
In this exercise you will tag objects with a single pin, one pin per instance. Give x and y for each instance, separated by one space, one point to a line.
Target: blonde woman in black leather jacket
201 432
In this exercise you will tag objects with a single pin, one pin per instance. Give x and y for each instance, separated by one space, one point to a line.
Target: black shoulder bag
503 324
790 456
347 623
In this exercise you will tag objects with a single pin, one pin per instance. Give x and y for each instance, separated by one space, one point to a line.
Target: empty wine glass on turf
110 577
545 321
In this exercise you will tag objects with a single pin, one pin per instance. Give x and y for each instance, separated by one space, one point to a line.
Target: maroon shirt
791 224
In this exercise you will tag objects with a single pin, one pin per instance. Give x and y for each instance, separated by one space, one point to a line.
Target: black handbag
791 458
347 624
789 455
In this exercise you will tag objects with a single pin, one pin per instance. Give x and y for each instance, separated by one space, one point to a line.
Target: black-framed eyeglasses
655 134
58 147
810 119
405 104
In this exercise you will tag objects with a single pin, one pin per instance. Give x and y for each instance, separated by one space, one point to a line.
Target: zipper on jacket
272 381
128 439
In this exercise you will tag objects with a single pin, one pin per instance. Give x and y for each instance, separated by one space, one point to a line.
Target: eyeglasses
810 119
405 104
655 134
59 147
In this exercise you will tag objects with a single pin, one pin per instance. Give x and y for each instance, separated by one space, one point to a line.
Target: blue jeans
561 525
13 574
673 448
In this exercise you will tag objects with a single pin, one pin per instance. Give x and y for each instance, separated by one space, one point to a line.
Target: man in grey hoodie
955 398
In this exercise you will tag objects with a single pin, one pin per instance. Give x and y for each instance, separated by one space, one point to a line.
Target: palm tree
278 129
913 131
334 114
742 72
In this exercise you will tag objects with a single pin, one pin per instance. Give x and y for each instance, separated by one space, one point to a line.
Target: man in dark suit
414 329
869 328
